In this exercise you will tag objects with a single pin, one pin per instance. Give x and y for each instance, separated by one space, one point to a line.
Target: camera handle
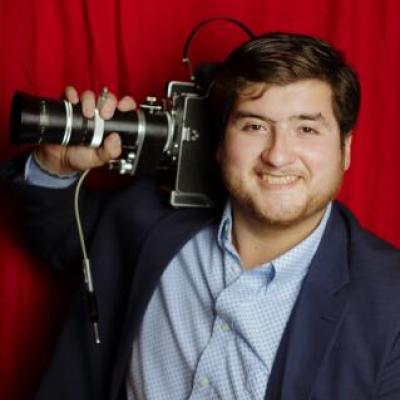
189 40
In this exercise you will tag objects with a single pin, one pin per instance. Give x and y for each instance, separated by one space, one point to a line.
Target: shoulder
374 264
361 240
141 207
137 206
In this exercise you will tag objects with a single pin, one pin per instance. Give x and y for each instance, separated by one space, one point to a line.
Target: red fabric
134 47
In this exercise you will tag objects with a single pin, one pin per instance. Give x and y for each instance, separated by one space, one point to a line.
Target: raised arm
49 217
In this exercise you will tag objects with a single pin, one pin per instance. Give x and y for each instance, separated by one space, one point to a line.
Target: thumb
111 148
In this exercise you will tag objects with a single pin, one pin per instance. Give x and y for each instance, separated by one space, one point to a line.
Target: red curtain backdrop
133 47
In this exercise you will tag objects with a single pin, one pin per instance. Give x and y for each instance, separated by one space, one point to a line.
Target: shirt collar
295 262
291 265
224 235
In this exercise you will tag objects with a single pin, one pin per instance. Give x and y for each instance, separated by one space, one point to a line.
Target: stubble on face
286 211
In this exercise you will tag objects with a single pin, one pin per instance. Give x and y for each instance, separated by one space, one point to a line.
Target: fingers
127 103
111 148
71 95
88 100
79 158
88 103
109 106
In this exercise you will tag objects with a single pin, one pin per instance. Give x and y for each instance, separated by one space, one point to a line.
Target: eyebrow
318 117
244 114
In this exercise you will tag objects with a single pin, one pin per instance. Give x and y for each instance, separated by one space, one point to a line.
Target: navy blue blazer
342 339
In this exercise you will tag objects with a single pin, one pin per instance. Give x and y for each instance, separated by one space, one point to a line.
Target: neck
258 242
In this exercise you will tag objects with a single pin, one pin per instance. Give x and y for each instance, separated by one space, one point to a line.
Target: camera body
184 170
171 139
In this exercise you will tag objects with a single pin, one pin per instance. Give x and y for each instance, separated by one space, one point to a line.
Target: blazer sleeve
47 217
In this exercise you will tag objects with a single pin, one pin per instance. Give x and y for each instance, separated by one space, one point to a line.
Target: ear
347 150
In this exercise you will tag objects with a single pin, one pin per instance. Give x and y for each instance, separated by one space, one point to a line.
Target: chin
278 212
283 215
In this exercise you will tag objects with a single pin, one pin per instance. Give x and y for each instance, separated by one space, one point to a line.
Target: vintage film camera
173 138
168 139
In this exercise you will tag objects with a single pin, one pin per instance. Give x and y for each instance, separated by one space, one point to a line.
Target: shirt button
225 327
204 382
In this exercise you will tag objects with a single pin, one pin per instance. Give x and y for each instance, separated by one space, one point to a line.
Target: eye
307 130
253 128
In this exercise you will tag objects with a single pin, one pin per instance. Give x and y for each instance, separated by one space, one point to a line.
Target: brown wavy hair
282 58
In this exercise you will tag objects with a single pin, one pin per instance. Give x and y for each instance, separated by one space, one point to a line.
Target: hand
62 160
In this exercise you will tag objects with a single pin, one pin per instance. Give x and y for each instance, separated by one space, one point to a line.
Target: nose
279 151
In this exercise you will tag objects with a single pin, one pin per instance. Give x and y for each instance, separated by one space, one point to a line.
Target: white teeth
279 180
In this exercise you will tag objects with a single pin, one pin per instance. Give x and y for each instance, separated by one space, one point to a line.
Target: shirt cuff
34 175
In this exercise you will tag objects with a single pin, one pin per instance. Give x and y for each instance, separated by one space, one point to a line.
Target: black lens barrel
39 120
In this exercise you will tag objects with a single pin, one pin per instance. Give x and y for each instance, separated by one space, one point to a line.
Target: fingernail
115 144
106 113
88 112
115 141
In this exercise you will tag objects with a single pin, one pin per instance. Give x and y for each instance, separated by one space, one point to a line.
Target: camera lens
36 120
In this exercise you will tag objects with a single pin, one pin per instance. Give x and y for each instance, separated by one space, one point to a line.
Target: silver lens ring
140 137
171 127
68 123
98 131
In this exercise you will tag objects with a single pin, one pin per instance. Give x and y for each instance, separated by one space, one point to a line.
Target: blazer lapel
317 314
158 250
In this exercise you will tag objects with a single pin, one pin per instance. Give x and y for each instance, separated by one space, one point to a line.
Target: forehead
279 102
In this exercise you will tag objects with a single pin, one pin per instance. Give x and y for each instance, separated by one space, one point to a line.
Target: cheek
321 158
238 151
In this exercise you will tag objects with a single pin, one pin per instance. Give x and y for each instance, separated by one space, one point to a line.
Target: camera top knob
151 104
151 100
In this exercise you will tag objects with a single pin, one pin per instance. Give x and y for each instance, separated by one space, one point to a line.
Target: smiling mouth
279 180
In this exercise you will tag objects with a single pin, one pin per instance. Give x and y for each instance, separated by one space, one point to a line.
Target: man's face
281 158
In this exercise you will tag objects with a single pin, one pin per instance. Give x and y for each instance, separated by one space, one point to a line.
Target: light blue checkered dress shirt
212 328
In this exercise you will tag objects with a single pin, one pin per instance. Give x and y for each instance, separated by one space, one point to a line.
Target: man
284 296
